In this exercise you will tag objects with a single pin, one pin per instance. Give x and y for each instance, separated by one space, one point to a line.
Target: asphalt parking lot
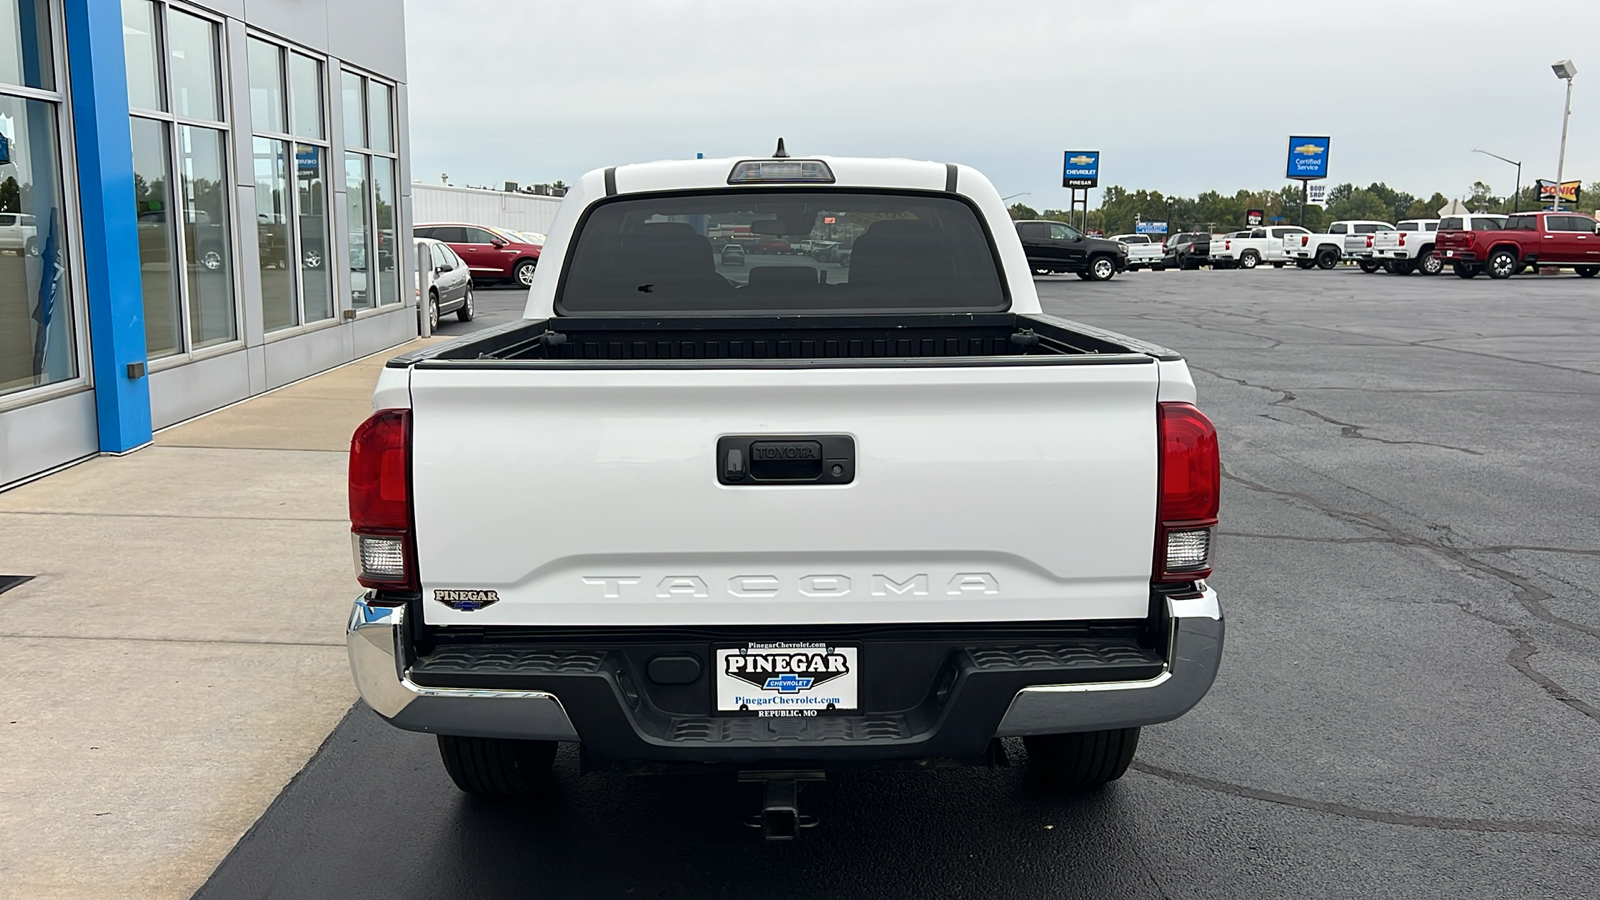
1408 705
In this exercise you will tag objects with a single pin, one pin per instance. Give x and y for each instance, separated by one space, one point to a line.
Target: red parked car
1560 239
492 254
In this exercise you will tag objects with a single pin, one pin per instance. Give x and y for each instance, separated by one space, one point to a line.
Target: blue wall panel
99 98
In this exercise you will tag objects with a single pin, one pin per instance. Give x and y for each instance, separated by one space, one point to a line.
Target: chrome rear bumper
1195 651
374 637
376 634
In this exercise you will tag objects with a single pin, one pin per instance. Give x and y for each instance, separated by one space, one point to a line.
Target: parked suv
493 254
1556 239
1058 247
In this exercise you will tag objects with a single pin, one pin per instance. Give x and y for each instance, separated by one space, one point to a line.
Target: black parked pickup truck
1189 250
1058 247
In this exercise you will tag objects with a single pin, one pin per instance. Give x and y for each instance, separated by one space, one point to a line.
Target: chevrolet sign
1081 169
1308 158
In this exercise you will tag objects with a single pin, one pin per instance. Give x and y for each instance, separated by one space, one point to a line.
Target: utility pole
1563 69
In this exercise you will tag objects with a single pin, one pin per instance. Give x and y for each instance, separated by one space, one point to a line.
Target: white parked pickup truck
1251 248
1408 248
1348 239
1144 251
787 517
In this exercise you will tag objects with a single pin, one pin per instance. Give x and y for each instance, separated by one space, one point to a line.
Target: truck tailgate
592 497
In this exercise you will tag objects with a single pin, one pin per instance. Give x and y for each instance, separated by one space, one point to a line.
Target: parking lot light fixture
1564 70
1516 195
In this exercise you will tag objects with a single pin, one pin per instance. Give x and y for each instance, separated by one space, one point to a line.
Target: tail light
1305 239
1369 242
1188 491
1227 245
1402 238
380 501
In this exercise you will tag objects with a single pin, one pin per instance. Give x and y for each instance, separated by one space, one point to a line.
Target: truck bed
989 339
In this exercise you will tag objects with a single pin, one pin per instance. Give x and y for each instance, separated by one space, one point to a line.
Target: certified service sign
1308 157
787 678
1082 169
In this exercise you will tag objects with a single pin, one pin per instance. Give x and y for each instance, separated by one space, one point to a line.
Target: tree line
1120 208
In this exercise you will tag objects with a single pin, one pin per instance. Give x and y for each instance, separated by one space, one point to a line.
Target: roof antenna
780 153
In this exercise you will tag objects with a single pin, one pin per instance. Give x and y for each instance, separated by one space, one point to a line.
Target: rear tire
1085 276
1429 263
1327 259
1305 263
469 307
1082 761
1249 259
1277 265
433 312
1368 267
1464 271
1503 264
496 767
1587 271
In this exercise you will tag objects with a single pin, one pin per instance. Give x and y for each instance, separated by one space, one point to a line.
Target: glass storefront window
274 241
152 183
143 60
355 186
37 337
25 54
202 178
355 117
315 270
305 93
266 86
388 245
192 57
379 127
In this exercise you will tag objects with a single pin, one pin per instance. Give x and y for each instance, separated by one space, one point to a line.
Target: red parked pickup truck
1559 239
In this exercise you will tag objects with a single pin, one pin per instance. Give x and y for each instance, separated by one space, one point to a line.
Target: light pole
1563 69
1516 196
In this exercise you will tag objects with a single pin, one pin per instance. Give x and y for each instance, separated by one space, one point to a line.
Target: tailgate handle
797 459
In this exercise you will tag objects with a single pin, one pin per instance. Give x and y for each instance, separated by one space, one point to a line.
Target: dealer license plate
787 678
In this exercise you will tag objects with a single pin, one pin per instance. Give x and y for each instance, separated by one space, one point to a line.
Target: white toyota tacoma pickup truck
788 517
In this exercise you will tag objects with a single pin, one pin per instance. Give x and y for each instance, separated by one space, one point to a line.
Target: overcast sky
1179 97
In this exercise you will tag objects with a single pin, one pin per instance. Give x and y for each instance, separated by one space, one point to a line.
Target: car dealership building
199 202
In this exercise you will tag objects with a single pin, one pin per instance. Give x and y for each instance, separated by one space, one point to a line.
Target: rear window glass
805 251
1522 223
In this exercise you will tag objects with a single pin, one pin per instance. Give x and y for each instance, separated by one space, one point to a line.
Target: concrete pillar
98 94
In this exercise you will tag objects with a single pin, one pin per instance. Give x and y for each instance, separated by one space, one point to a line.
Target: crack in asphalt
1346 429
1497 548
1440 823
1192 321
1530 596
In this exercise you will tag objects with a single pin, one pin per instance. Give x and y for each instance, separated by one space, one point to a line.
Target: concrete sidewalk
178 654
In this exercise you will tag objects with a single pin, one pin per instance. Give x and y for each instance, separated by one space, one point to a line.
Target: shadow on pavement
373 814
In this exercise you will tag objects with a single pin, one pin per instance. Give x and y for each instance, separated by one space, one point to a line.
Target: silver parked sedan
451 290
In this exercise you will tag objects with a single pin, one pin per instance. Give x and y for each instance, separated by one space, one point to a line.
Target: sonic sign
1082 169
1308 157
